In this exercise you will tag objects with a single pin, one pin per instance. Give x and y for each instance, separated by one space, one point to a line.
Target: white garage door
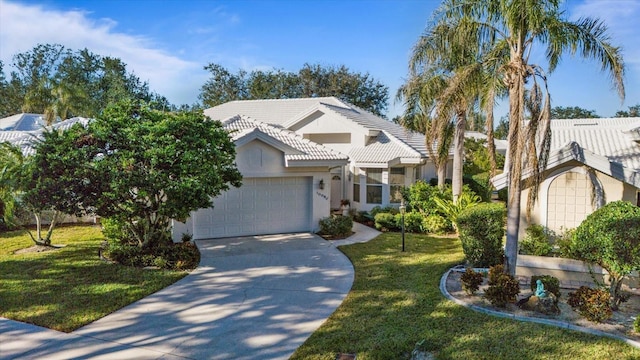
259 206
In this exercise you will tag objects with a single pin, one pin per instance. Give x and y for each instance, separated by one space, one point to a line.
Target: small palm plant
451 209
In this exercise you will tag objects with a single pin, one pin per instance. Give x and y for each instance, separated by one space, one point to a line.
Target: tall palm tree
518 27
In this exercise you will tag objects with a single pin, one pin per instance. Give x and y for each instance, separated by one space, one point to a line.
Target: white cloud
24 26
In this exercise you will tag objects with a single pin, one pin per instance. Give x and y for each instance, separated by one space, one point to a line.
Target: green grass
70 287
395 302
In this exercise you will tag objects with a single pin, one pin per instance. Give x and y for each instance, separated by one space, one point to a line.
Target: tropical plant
505 34
451 209
11 164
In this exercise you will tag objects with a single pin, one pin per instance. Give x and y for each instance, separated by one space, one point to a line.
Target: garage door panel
260 206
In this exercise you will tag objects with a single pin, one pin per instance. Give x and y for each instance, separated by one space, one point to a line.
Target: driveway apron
251 298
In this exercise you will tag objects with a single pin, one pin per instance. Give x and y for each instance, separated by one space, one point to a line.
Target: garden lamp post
402 210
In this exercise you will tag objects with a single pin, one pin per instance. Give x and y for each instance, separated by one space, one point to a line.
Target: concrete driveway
250 298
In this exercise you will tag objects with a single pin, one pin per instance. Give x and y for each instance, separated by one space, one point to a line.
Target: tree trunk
442 174
516 111
458 155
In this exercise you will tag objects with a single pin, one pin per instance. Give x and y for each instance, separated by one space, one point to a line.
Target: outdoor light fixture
402 210
321 184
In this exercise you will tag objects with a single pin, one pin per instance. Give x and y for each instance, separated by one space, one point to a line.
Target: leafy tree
61 83
57 178
610 237
311 81
502 129
633 111
155 166
572 112
476 157
514 29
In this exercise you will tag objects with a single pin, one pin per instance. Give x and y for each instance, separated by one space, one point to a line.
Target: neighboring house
22 129
300 158
501 145
592 162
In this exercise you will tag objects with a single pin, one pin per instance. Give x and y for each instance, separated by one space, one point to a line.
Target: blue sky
168 42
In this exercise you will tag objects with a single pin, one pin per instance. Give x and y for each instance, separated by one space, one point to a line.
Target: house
591 162
21 129
300 158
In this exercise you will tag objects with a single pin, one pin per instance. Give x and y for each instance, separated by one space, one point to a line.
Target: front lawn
395 302
69 287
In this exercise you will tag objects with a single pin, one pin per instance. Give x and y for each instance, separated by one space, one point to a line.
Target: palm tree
517 27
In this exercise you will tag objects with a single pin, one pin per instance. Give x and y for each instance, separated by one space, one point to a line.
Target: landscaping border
556 323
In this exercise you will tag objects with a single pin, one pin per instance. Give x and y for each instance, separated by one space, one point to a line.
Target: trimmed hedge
482 229
336 226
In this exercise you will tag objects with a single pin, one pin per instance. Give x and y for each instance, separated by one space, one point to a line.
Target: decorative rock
546 305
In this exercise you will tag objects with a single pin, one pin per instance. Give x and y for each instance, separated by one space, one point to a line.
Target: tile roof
24 139
271 111
301 149
392 142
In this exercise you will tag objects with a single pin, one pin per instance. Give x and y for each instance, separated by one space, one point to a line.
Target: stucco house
300 158
592 162
21 129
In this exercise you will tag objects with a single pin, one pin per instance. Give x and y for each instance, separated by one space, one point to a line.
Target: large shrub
610 237
421 197
480 184
436 224
482 229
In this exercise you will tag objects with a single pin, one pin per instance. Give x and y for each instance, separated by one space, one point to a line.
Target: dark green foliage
387 209
551 284
503 288
311 81
412 222
481 231
362 217
636 324
538 241
480 185
385 221
178 256
572 112
336 226
610 237
593 304
471 281
476 159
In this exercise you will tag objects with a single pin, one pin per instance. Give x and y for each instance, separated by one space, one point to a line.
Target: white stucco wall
257 159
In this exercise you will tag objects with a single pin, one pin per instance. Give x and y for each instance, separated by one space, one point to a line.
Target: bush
538 241
115 230
387 209
481 231
503 288
564 243
336 226
362 216
610 237
471 281
480 185
451 210
436 224
593 304
412 222
636 324
182 256
385 221
551 284
421 197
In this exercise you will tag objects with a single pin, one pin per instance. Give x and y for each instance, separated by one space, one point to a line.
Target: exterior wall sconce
321 184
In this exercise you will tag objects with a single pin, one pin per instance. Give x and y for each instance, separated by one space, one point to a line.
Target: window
374 186
396 184
356 192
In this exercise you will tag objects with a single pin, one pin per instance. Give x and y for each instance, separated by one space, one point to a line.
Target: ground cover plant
66 288
395 302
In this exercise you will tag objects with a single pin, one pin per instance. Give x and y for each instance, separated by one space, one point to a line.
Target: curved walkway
251 298
557 323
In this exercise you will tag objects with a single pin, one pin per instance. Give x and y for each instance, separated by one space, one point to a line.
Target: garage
260 206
